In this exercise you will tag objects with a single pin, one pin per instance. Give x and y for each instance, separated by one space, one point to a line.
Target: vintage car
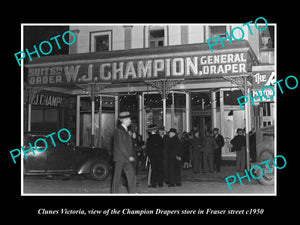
264 149
65 158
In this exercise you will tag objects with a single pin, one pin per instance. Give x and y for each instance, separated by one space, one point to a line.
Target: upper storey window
100 41
156 37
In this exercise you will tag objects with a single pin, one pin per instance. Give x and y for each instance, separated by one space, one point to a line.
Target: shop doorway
105 114
172 115
202 123
201 111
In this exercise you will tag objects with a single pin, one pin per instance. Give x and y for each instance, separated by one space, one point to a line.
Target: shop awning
188 62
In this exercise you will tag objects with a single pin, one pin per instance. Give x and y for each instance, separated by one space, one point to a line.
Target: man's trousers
130 175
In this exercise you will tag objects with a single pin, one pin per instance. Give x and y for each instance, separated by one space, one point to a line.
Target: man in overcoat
174 159
209 146
197 152
155 147
239 145
123 155
218 151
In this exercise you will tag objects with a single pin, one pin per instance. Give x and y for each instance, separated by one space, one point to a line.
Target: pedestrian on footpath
137 150
155 152
218 151
209 146
123 155
239 146
186 156
166 138
174 159
197 152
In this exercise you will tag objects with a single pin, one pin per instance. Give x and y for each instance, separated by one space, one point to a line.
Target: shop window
230 97
200 101
51 115
37 116
156 37
46 119
175 110
130 103
218 30
100 41
104 121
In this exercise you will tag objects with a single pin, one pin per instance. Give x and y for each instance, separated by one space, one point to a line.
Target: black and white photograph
158 109
170 118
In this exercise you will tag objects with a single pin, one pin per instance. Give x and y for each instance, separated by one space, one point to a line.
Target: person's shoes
152 186
178 184
171 185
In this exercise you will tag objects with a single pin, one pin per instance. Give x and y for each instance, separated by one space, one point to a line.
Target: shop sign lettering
191 67
259 80
48 100
268 91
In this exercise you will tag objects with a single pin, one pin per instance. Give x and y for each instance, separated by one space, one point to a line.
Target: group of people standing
164 152
203 154
168 153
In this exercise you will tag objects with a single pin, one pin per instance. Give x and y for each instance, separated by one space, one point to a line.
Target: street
208 183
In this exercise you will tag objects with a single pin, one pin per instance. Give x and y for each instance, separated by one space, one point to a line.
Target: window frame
94 34
157 40
210 31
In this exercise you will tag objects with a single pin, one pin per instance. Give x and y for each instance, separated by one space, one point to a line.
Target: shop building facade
162 74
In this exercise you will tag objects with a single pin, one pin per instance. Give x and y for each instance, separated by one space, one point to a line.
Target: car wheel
267 177
99 171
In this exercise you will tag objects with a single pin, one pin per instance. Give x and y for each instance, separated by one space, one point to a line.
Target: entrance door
172 115
105 115
202 123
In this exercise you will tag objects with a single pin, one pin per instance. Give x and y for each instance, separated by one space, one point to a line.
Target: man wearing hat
155 152
174 159
197 152
218 151
166 138
123 155
239 145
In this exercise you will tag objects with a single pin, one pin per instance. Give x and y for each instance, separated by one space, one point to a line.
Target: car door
35 162
60 158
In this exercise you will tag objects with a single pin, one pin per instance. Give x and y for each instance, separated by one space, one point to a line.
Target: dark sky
34 35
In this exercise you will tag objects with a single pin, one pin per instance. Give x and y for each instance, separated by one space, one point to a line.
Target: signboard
47 99
261 79
116 70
